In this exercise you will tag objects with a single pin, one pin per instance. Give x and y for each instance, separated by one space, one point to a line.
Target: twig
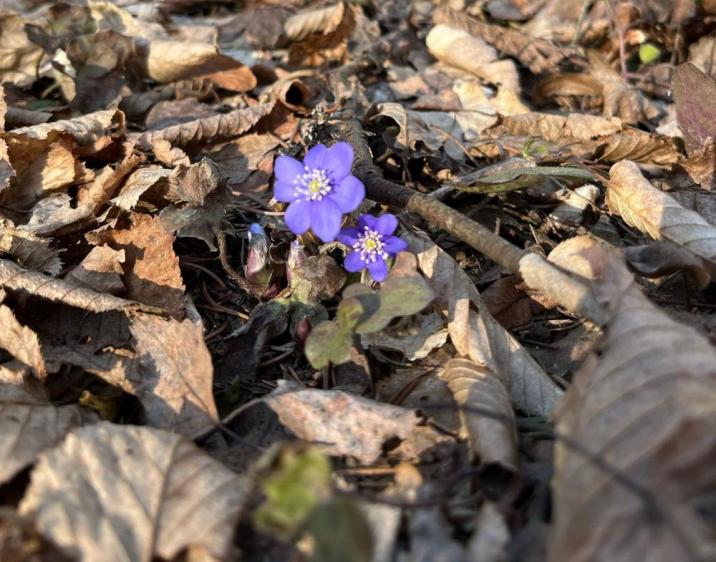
565 288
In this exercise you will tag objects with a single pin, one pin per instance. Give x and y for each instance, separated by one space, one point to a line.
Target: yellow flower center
370 244
315 186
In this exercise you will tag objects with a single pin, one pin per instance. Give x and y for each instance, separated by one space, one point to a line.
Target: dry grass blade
215 128
647 407
119 493
659 215
539 55
85 129
476 334
15 278
493 442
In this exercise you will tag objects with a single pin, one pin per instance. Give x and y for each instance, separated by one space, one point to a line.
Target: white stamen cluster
370 246
313 185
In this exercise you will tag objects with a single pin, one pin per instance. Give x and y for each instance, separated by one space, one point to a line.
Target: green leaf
341 532
515 174
328 343
300 481
648 53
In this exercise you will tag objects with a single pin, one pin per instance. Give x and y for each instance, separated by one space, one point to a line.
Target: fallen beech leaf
19 57
29 250
20 540
695 99
657 259
100 270
659 215
460 49
114 493
14 278
645 407
476 334
571 211
21 342
639 146
315 30
30 424
152 273
493 442
174 379
138 183
510 306
555 127
192 184
346 424
85 129
219 127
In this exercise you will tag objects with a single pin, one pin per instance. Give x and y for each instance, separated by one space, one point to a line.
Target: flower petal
378 270
348 194
386 224
353 262
338 161
366 220
315 157
287 169
348 235
284 191
394 245
298 216
325 219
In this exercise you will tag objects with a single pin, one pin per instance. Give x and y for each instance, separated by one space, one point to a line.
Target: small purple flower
319 191
372 244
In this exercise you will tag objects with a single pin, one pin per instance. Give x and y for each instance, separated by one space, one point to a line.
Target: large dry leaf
20 341
460 49
174 376
85 129
19 57
639 146
29 424
539 55
476 334
219 127
493 442
659 215
347 424
15 278
127 493
152 274
555 128
695 99
314 30
100 270
646 406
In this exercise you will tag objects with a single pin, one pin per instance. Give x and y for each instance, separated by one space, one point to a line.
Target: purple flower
319 191
372 244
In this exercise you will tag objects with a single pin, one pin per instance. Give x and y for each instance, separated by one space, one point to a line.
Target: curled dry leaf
174 376
640 146
118 493
695 99
85 129
19 57
571 211
20 341
657 259
476 334
659 215
493 442
645 408
100 270
15 278
29 250
556 127
30 424
219 127
346 424
462 50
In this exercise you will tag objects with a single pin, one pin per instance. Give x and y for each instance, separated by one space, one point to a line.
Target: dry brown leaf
14 278
556 128
414 337
646 407
657 259
21 342
640 146
174 376
30 424
659 215
138 183
168 155
460 49
120 493
571 211
477 335
96 194
152 274
21 542
19 57
192 184
493 442
539 55
345 424
695 99
510 306
238 158
100 270
322 29
219 127
29 250
85 129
